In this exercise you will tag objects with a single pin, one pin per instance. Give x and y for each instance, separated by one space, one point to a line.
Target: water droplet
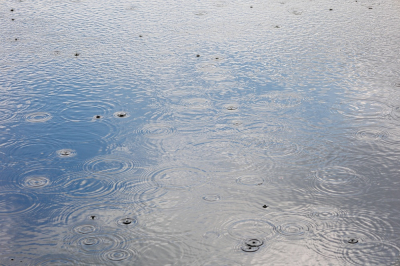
119 254
249 248
36 182
211 197
85 229
231 108
254 242
352 241
38 116
66 153
121 114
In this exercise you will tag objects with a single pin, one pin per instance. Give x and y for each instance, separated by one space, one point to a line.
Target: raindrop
121 114
36 182
211 197
90 241
352 241
119 254
254 242
250 180
127 221
38 117
231 108
66 153
249 248
85 229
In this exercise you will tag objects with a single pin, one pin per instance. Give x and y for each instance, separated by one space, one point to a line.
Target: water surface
199 133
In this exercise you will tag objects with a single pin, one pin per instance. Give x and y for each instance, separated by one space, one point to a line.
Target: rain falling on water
199 133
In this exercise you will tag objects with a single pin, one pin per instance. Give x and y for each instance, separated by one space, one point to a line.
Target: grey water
212 132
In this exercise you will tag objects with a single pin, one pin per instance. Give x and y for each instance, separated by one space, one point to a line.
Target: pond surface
200 132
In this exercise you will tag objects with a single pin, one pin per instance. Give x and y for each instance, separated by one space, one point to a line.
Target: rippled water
199 133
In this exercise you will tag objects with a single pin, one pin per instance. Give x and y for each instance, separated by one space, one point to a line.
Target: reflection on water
204 133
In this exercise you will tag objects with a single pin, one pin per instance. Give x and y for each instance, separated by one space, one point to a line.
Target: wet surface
209 133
